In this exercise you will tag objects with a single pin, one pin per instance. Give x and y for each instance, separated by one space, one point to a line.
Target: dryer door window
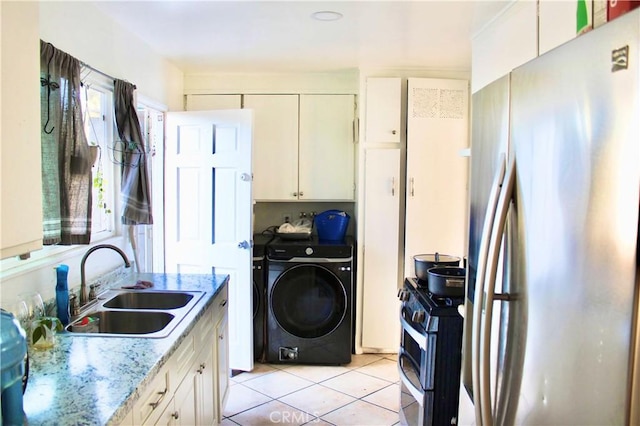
308 301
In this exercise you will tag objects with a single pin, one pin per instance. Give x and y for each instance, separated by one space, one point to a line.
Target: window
98 119
97 104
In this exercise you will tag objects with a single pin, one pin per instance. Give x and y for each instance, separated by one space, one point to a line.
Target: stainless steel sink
131 322
149 300
140 313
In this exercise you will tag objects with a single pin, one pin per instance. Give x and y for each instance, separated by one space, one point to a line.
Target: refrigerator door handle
479 285
495 242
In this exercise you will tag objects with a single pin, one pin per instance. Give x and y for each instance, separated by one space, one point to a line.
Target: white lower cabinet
181 409
154 399
192 387
380 324
204 384
221 352
203 368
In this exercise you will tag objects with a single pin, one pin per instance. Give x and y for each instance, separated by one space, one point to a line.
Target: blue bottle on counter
62 294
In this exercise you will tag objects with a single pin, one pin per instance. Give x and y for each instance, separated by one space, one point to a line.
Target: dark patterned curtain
66 165
136 194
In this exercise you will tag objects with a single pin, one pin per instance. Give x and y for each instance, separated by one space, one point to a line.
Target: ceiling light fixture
326 15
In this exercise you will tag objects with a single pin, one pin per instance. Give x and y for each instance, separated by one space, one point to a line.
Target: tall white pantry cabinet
382 204
437 173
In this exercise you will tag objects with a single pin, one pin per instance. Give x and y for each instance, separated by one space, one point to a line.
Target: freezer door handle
479 287
495 242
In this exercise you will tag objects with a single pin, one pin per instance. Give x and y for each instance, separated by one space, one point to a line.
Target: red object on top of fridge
616 8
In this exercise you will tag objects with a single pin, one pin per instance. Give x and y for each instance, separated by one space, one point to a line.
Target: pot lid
436 258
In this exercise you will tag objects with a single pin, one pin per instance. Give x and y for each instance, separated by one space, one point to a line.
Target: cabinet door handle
412 189
393 186
301 194
223 303
295 194
175 415
162 394
393 132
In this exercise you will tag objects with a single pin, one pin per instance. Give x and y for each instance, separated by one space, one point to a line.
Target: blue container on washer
332 225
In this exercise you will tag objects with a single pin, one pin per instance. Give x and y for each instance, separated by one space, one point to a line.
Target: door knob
244 245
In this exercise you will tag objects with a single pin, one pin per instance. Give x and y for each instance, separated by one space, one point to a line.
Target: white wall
81 30
84 32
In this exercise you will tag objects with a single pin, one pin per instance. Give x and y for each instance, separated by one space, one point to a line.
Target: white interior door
208 210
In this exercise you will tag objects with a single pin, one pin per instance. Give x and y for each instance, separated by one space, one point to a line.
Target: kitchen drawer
219 303
154 399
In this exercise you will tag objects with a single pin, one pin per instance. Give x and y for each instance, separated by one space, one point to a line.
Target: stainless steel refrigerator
551 327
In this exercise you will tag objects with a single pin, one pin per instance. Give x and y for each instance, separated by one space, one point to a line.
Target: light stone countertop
88 380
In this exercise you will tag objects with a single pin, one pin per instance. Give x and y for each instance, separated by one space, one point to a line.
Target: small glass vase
42 333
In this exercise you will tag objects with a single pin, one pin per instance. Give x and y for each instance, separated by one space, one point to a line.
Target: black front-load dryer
259 293
309 299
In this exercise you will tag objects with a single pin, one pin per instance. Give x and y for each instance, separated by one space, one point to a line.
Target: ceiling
281 36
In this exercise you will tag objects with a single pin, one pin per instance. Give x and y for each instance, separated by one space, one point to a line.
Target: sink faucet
83 284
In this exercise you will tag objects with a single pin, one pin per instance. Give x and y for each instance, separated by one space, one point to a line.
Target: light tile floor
364 393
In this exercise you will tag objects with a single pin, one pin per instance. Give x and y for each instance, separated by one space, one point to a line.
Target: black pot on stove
447 281
424 262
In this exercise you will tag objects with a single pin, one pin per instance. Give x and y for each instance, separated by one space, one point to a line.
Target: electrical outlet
287 217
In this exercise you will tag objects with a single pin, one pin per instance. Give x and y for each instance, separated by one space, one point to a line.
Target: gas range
435 305
429 357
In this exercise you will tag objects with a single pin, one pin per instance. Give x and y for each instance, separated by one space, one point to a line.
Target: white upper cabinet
303 147
510 40
275 146
383 110
327 145
21 195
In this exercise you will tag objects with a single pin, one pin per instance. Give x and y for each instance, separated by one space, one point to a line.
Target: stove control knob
308 251
403 295
418 316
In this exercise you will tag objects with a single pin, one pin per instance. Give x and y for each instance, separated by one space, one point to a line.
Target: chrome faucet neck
83 284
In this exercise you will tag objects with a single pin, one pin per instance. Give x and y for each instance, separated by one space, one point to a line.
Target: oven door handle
418 336
418 394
